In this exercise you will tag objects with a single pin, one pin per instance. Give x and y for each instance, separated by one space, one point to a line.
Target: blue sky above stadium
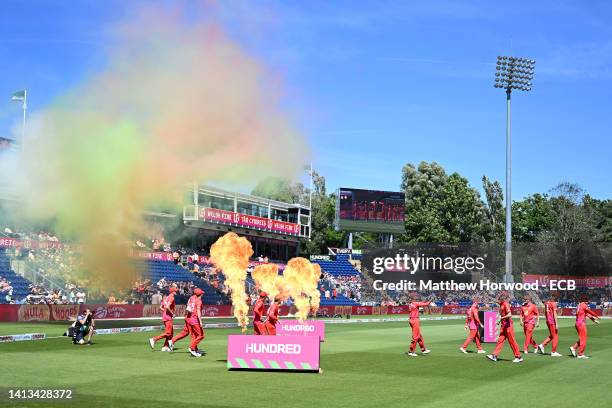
373 84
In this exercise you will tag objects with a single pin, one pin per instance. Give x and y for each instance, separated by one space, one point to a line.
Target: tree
601 211
494 210
439 207
572 230
281 189
531 217
323 234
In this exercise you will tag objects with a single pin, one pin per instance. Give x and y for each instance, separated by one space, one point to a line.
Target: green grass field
364 366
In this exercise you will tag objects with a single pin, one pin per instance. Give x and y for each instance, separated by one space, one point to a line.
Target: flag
18 96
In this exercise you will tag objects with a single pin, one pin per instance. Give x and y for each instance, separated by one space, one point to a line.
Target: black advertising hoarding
370 211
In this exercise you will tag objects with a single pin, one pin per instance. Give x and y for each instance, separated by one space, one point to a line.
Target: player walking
415 324
472 322
529 314
193 318
506 331
550 312
258 312
270 325
167 307
582 312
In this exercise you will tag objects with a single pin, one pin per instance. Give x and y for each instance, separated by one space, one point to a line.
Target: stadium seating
19 283
337 267
340 300
156 270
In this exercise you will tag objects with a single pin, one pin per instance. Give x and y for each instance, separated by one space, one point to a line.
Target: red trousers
507 333
416 335
167 334
270 329
529 341
475 337
259 327
582 338
182 334
553 336
197 334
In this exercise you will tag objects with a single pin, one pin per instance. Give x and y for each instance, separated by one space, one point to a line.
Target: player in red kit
193 318
550 312
259 311
582 312
530 319
184 333
415 324
167 307
273 316
506 331
472 322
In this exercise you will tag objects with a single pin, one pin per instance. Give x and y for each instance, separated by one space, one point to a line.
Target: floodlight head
514 73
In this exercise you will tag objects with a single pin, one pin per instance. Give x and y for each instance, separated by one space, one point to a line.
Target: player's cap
263 294
198 292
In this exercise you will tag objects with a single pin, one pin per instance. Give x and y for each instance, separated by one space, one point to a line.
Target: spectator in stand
327 295
175 257
334 293
156 298
80 297
112 300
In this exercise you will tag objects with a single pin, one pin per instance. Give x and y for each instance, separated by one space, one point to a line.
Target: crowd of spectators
37 236
147 292
346 285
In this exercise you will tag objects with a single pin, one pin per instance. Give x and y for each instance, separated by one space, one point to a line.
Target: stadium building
274 228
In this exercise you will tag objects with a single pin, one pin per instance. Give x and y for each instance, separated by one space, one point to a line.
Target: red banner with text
581 281
248 221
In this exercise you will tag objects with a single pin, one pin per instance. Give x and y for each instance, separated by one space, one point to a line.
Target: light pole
512 73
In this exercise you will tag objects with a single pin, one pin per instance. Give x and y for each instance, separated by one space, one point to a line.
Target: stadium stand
337 267
21 286
156 270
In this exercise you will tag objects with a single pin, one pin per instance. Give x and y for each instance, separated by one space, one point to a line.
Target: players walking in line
272 317
582 312
193 318
506 331
472 322
530 319
415 324
259 310
550 312
167 307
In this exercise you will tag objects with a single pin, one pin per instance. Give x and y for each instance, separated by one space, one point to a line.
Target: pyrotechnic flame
231 254
267 278
301 278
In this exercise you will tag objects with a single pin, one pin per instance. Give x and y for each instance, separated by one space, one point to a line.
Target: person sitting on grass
84 326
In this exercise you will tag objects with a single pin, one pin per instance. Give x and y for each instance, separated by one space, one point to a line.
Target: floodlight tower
512 73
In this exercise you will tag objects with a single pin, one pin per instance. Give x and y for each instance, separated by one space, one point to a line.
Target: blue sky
374 85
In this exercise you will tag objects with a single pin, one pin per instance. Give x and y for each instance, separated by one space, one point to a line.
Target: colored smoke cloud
176 103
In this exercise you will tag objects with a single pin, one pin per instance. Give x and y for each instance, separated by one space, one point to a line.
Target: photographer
84 326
